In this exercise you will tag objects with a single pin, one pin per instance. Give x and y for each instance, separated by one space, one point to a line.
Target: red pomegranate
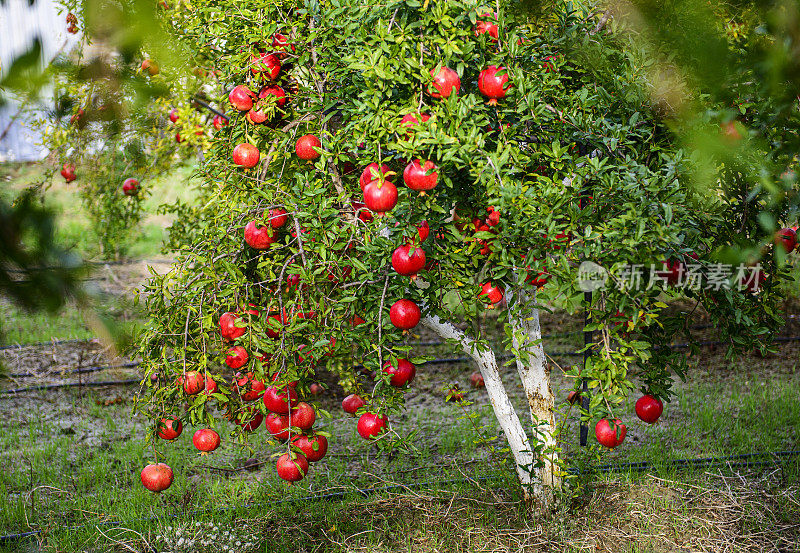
370 425
476 379
279 401
130 187
278 217
786 237
303 416
276 91
193 382
268 65
352 403
68 172
150 67
649 408
259 113
404 314
210 386
219 121
258 237
419 175
411 120
402 373
241 98
178 138
278 426
494 294
488 28
246 155
206 440
606 433
173 115
248 387
292 467
307 146
253 423
169 429
275 324
406 262
445 83
373 173
492 83
156 478
313 448
237 357
231 326
380 196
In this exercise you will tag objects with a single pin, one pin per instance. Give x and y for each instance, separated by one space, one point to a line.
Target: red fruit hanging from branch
237 357
292 467
241 97
404 314
206 440
380 196
493 83
608 434
649 408
408 259
156 478
246 155
403 372
445 82
307 147
259 237
370 425
373 172
421 175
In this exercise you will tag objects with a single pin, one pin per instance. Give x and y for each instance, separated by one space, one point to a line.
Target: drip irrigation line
206 105
81 370
71 385
732 461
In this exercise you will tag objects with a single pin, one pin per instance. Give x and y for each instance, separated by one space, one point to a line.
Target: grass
83 461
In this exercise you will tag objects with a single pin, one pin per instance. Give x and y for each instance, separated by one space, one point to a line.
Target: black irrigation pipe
206 105
72 385
356 367
732 461
80 370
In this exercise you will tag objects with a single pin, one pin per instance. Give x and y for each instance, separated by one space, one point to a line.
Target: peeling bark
535 375
503 409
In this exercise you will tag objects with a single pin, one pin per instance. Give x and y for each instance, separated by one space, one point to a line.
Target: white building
21 23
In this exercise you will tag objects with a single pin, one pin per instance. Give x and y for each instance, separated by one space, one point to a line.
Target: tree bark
503 408
535 375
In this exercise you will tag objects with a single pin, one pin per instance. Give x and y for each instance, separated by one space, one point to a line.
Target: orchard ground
72 456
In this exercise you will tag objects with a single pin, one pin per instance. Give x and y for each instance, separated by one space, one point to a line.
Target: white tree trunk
503 408
535 375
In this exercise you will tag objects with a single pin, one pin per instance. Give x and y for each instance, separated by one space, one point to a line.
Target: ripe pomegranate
156 478
649 408
606 433
267 64
206 440
276 91
246 155
380 196
151 67
210 386
352 403
445 83
373 173
219 122
259 113
493 217
253 423
130 187
411 120
786 237
278 426
370 425
68 172
303 416
306 147
404 314
315 389
275 324
488 28
476 379
454 394
258 237
402 373
248 387
231 326
419 175
193 382
279 401
363 213
314 448
237 357
573 397
178 138
423 230
173 115
241 98
494 294
406 262
278 217
492 83
169 429
292 467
